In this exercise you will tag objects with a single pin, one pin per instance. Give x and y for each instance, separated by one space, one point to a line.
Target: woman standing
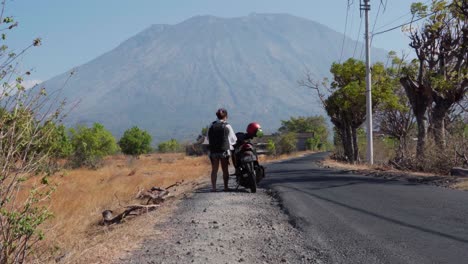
221 138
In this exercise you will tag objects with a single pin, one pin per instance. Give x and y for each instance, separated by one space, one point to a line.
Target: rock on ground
226 227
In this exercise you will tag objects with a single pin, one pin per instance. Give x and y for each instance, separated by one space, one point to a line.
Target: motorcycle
248 170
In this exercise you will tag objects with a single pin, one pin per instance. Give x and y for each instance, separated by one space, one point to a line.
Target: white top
231 136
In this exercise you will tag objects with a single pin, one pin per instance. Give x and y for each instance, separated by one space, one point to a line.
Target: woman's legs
225 168
214 172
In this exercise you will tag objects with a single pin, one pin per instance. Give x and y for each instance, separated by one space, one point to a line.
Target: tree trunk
348 143
402 147
439 113
355 144
438 130
421 120
420 98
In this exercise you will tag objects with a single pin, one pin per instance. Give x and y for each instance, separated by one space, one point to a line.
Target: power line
385 6
398 18
375 22
351 26
357 38
393 21
399 26
345 28
376 16
362 52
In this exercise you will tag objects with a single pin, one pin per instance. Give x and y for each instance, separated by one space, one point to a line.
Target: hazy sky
74 32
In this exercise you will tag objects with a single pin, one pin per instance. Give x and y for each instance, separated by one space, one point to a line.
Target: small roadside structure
302 140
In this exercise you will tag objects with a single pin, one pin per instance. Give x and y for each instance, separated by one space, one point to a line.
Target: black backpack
218 137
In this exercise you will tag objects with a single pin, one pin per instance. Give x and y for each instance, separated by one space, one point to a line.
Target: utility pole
370 142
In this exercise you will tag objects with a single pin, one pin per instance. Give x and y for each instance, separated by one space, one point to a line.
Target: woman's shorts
220 155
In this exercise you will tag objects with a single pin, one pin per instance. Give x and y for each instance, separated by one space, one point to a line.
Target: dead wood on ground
154 197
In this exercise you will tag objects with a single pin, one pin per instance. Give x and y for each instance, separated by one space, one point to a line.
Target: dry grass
368 168
462 185
264 158
391 173
346 166
83 194
74 236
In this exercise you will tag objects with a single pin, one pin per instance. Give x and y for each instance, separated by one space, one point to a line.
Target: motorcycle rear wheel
252 177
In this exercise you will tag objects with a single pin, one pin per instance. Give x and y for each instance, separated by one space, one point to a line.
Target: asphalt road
360 219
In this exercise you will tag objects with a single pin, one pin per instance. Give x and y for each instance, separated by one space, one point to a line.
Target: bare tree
441 46
395 117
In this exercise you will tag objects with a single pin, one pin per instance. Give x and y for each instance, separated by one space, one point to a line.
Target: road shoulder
226 228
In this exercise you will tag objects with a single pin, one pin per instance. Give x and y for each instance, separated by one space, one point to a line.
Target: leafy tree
25 150
395 117
313 124
169 146
91 144
287 142
135 142
61 146
314 143
346 104
441 79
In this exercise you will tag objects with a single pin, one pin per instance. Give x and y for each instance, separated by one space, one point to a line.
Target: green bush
61 146
312 124
313 143
287 143
169 146
271 147
91 144
135 142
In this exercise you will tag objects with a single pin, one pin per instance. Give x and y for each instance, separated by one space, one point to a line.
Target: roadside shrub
271 147
135 142
91 144
312 124
28 120
169 146
287 143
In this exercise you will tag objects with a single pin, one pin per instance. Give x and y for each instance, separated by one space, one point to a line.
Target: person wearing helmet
253 130
221 139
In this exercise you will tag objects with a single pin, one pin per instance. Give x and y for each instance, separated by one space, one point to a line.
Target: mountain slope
170 79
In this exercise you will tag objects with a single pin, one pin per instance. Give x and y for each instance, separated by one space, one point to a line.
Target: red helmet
253 129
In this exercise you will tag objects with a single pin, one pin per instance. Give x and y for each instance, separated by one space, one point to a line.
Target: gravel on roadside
226 227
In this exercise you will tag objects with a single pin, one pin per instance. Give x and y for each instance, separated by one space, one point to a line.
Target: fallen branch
155 196
175 184
134 210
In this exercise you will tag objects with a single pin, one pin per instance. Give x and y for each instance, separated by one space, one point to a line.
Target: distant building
302 140
200 147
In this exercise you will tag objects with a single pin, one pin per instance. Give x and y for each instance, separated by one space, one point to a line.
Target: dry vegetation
462 185
83 194
388 172
74 234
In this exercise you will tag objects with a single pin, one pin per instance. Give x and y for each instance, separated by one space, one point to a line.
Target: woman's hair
221 113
